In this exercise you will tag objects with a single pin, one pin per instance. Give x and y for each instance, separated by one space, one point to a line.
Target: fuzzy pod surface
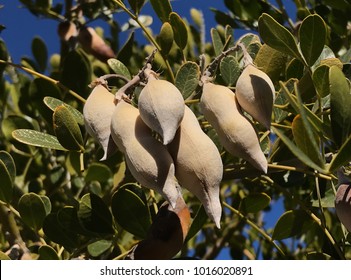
343 205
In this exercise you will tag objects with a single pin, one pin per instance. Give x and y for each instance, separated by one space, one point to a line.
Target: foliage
59 202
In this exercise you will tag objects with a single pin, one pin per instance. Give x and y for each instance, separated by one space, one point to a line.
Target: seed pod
67 30
166 234
97 114
198 164
235 132
93 44
147 159
161 107
255 94
343 205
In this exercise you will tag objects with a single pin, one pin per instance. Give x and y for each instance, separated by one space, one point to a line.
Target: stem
37 74
253 225
149 36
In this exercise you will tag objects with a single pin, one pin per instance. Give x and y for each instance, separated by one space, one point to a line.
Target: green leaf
12 122
53 103
136 5
295 69
37 138
254 203
59 234
3 56
162 8
320 79
340 100
67 218
291 223
197 224
230 70
126 51
47 204
343 156
119 68
77 72
46 252
166 38
40 53
296 150
312 35
4 257
302 141
187 78
98 172
271 61
99 247
277 36
6 187
67 129
95 215
32 210
130 210
327 201
180 31
7 159
216 41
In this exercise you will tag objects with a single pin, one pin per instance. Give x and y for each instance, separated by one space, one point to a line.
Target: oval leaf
166 38
254 203
340 100
67 130
162 8
343 156
216 41
136 5
320 79
291 223
6 187
53 103
119 68
47 253
312 35
95 215
197 224
99 247
187 78
130 210
37 138
7 159
40 53
179 30
230 70
98 172
32 210
277 36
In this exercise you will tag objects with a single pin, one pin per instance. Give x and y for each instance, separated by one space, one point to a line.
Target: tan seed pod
343 205
255 94
235 132
161 107
93 44
198 164
147 159
97 112
166 235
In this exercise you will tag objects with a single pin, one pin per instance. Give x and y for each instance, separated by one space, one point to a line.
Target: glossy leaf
32 210
40 52
162 8
67 130
321 80
255 202
180 31
277 36
12 123
9 163
98 172
53 103
46 252
343 156
340 100
230 70
130 210
37 138
295 69
126 52
327 201
95 215
187 78
99 247
166 38
119 68
312 35
6 187
291 223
